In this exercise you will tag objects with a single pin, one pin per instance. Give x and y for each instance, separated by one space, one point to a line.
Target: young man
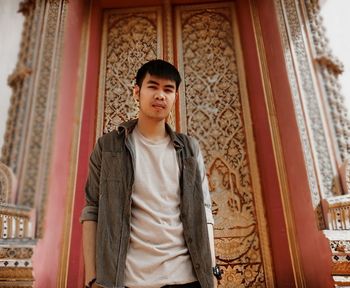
147 220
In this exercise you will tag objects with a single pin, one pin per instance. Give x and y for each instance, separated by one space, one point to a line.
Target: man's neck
153 130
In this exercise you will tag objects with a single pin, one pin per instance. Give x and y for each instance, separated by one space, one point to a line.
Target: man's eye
169 91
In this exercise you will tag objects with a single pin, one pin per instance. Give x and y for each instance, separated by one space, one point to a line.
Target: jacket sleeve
90 211
205 185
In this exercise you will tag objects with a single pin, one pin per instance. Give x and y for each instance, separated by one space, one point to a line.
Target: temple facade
260 93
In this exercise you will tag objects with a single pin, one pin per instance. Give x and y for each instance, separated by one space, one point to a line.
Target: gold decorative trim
16 253
16 274
169 49
299 277
181 102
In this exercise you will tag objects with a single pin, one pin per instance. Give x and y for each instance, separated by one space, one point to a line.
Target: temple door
203 41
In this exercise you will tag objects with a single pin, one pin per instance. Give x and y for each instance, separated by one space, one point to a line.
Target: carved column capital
26 6
331 63
18 75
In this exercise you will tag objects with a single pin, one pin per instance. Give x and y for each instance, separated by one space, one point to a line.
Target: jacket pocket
111 166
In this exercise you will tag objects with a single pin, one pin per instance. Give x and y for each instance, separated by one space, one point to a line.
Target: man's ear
136 92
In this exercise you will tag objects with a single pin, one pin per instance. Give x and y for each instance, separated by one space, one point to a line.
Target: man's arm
211 242
207 202
89 215
89 249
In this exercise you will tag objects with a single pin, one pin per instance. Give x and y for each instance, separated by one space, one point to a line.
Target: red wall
47 254
87 141
266 161
315 255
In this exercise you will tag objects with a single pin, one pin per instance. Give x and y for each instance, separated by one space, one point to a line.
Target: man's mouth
159 105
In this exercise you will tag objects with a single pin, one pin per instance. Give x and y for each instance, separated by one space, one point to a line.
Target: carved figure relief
215 116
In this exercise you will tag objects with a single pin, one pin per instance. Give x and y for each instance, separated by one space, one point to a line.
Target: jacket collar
128 126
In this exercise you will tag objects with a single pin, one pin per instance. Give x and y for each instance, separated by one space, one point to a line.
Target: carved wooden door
213 106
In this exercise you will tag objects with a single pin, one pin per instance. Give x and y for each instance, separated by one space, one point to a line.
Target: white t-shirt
157 253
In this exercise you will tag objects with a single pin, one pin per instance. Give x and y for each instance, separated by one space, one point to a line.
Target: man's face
156 97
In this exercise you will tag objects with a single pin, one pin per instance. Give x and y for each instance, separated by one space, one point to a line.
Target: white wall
11 24
336 15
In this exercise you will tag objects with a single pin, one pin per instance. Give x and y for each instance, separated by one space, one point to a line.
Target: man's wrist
90 283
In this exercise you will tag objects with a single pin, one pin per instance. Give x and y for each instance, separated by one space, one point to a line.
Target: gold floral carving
130 38
16 274
216 117
16 252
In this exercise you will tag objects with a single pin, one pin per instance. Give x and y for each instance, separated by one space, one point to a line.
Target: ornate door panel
130 38
213 106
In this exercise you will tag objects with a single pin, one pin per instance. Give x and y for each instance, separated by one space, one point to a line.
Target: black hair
159 68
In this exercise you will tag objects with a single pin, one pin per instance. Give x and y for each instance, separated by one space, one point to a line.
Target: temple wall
336 19
74 75
10 30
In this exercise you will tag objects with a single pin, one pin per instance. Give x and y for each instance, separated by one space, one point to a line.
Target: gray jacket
108 202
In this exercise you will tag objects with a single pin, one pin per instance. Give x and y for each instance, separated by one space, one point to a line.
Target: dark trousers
187 285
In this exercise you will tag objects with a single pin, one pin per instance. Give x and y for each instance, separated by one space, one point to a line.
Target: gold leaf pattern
131 41
215 117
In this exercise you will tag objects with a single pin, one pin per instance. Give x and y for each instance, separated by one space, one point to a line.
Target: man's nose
160 95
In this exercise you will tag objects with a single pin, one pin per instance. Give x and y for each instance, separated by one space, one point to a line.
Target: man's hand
89 244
